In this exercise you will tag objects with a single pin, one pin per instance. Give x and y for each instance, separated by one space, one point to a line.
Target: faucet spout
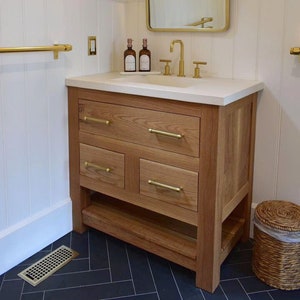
181 60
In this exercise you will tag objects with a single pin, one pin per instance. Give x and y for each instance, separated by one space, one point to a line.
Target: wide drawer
102 165
170 184
167 131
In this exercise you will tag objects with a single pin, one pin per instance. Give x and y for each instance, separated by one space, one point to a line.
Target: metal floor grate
48 265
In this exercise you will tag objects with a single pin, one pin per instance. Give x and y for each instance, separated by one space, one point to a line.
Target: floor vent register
48 265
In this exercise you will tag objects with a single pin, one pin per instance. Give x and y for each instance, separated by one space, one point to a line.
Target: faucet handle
197 69
167 67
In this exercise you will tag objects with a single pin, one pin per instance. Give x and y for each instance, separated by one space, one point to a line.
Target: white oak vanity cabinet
171 177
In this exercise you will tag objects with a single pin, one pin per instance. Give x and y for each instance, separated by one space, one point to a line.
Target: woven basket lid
279 214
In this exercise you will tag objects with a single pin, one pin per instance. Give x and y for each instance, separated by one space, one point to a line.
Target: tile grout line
129 266
153 277
108 259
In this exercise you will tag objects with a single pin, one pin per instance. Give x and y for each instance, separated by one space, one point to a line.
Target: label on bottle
144 62
129 63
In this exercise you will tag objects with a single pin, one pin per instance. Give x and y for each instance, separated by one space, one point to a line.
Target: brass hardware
202 22
197 69
181 60
165 133
100 121
295 51
166 186
167 67
88 164
55 48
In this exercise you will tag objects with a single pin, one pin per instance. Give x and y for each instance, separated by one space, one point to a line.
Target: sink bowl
162 80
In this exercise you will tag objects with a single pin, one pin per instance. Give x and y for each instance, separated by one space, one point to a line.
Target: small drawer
102 165
170 184
168 131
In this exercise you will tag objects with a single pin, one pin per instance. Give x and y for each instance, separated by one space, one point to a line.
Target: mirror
188 15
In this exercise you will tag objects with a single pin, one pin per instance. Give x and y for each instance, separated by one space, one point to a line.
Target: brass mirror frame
182 29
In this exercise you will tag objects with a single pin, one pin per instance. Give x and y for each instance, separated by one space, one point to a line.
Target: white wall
255 47
35 208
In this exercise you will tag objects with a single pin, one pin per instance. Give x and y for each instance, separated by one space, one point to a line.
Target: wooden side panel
79 195
209 217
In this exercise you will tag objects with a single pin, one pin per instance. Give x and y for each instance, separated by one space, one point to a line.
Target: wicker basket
276 252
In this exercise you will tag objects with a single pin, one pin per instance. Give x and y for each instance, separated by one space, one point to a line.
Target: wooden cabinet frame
199 240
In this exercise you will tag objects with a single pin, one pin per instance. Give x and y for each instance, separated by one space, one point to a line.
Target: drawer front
167 131
102 165
170 184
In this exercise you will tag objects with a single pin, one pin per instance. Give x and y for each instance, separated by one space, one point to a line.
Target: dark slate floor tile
185 280
164 280
285 295
233 290
70 281
11 289
98 250
89 276
95 292
75 265
140 270
33 296
79 243
217 295
253 284
118 258
260 296
233 271
238 257
152 296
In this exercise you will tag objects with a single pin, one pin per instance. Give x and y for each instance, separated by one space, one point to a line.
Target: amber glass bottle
145 58
129 58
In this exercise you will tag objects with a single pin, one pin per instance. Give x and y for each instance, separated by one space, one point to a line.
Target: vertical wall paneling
289 164
269 62
34 186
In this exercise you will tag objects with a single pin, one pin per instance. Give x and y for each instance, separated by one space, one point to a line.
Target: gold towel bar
55 48
295 51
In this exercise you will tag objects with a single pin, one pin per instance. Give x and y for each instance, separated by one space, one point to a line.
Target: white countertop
215 91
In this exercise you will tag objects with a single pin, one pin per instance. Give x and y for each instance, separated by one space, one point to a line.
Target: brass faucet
181 61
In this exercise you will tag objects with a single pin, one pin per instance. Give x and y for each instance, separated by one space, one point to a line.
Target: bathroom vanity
164 165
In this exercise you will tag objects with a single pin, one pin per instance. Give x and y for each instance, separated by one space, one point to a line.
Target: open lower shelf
161 235
173 240
232 231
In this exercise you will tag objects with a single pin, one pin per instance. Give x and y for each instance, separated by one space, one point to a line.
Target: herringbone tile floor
110 269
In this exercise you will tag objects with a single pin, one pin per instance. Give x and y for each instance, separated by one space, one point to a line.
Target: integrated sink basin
172 81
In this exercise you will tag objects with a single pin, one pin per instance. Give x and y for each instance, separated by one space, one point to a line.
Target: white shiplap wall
255 47
35 208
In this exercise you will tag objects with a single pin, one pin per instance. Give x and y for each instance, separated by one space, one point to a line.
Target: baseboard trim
24 239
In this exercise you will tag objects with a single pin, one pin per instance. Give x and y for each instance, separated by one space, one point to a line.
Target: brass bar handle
55 48
95 120
295 51
97 167
165 133
166 186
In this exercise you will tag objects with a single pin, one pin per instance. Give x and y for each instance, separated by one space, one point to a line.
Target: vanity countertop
208 90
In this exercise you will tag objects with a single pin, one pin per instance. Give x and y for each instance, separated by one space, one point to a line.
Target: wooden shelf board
232 231
141 231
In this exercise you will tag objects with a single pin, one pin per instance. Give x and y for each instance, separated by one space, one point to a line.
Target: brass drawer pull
170 134
166 186
100 121
88 164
